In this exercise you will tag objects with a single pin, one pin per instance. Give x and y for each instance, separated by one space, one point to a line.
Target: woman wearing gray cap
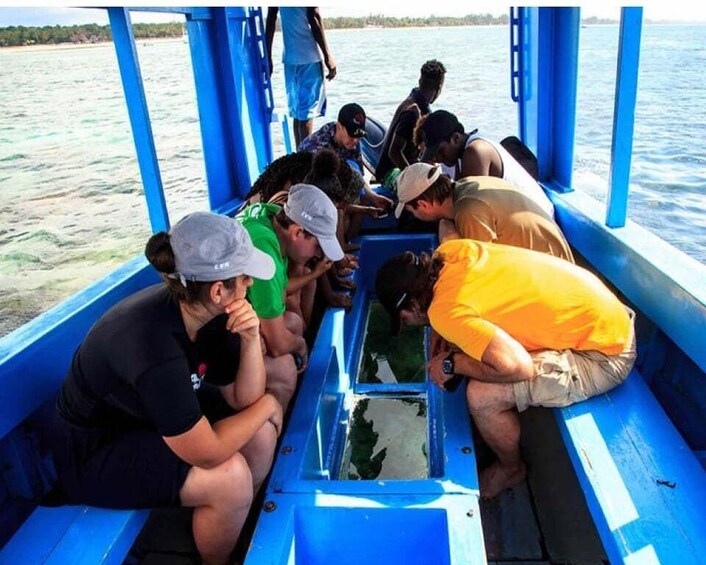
165 402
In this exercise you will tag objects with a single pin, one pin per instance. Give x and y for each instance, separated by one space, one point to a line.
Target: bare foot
497 478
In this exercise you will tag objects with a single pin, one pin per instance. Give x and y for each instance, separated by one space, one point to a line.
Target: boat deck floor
543 520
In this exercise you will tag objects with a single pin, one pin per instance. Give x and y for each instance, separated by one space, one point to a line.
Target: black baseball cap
393 283
352 117
438 127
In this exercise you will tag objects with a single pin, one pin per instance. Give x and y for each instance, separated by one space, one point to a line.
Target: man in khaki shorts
528 328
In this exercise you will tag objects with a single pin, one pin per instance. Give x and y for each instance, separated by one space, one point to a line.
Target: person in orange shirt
528 328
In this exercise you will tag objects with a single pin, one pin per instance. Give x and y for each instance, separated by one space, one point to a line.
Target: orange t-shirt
542 301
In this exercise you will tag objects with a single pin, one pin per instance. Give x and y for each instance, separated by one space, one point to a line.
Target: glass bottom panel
388 359
387 439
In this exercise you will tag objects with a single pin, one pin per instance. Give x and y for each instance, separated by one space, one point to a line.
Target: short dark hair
438 191
431 74
405 277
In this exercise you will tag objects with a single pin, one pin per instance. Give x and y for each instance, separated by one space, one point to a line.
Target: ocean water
71 206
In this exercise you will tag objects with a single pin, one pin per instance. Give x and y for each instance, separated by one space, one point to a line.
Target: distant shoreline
65 46
148 40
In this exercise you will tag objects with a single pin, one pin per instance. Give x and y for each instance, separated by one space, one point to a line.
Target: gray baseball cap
309 207
211 247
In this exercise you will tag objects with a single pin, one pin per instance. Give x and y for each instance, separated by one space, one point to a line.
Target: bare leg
259 453
281 378
302 130
494 412
306 301
221 498
355 221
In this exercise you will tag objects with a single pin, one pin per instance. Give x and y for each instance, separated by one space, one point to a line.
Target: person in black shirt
164 403
398 149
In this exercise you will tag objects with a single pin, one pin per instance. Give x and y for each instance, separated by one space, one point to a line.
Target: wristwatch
447 365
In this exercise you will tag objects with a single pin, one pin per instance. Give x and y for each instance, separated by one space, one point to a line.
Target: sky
34 13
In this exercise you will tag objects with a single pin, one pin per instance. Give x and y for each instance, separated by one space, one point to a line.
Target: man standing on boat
398 148
529 329
343 136
480 208
303 35
302 230
445 141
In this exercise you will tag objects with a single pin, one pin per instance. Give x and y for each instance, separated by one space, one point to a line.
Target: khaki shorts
570 376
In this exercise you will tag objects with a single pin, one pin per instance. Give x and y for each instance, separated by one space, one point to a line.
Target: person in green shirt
302 230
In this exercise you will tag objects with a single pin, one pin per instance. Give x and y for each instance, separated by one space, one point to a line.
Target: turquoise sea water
71 208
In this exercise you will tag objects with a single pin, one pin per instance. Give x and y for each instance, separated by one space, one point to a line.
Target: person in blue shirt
303 35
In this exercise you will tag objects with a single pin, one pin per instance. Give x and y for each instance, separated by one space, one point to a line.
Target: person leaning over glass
164 403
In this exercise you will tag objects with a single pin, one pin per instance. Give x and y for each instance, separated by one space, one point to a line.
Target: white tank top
300 47
515 173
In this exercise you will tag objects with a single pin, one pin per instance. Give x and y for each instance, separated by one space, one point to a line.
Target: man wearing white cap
302 230
482 208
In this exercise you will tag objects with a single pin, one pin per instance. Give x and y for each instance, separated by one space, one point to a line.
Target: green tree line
94 33
86 33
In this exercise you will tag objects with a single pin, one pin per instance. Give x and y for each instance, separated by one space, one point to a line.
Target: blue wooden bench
645 488
33 364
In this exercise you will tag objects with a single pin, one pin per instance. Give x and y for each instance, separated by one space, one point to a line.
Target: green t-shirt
266 297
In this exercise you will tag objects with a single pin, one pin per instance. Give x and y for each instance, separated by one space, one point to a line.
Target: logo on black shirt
198 376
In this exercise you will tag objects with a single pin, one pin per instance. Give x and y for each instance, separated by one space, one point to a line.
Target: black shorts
124 469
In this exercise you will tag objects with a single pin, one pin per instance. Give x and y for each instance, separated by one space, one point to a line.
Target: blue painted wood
74 534
320 528
35 540
645 488
624 115
556 54
131 76
665 284
218 150
35 357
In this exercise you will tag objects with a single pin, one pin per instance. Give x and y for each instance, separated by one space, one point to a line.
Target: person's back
491 209
514 173
299 45
543 302
266 296
398 149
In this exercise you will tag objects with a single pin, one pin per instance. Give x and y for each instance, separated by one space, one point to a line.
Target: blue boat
638 452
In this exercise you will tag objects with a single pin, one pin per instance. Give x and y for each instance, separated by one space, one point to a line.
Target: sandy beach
62 46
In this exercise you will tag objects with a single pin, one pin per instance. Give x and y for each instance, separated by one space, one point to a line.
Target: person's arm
317 30
396 151
298 282
504 360
377 200
270 26
208 446
447 231
250 380
402 136
279 339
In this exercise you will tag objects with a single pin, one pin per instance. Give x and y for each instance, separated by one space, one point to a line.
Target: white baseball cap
413 181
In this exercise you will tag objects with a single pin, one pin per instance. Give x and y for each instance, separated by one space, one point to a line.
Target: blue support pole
129 65
218 150
235 124
624 115
557 69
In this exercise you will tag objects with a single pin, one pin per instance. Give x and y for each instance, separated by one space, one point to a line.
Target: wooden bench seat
645 488
33 364
74 534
